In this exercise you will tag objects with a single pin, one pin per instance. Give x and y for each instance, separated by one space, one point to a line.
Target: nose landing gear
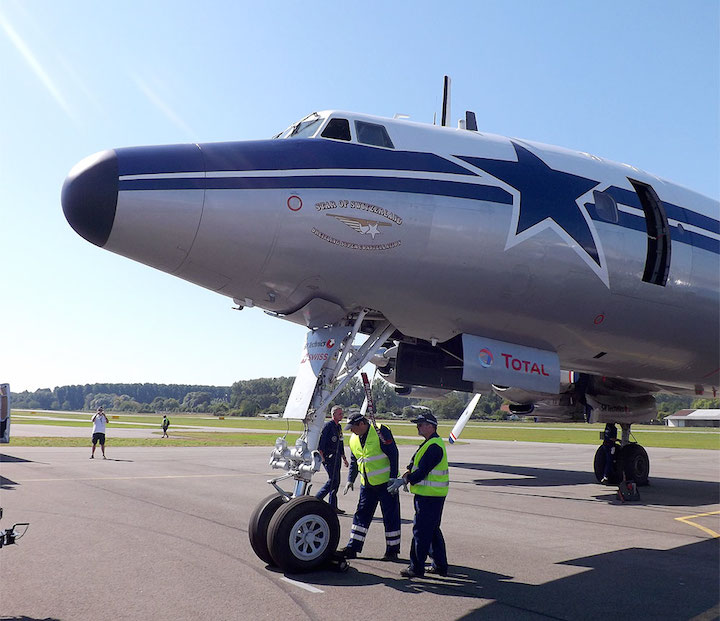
297 532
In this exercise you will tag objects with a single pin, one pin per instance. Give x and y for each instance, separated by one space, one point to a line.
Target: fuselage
443 231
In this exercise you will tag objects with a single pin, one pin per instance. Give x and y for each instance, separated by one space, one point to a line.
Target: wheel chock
628 492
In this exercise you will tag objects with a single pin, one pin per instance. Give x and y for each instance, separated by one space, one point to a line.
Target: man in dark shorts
99 422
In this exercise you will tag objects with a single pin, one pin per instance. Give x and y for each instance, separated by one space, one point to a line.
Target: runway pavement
161 533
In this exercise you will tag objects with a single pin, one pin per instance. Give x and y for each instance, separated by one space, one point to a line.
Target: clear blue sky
635 82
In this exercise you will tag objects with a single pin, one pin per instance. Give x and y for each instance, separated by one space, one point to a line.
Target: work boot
348 552
391 555
410 573
434 569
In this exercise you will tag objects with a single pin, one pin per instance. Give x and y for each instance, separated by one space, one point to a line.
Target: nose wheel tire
303 534
259 522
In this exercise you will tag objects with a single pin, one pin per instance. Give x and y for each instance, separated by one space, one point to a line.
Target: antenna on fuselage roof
445 115
470 121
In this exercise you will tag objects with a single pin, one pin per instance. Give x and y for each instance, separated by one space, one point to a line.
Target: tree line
244 398
262 396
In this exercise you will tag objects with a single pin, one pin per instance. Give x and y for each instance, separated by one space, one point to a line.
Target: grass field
186 430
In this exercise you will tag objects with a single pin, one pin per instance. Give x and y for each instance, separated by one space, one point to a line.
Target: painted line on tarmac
302 585
164 476
687 520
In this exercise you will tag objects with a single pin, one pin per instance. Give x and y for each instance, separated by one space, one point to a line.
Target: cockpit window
372 133
304 128
337 129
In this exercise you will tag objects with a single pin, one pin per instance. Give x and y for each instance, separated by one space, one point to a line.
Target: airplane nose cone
89 196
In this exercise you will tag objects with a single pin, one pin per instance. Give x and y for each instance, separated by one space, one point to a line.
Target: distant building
694 418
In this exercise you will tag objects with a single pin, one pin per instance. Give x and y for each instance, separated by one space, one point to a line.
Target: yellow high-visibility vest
437 482
373 464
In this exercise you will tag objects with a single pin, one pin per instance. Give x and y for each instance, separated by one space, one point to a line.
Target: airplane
572 286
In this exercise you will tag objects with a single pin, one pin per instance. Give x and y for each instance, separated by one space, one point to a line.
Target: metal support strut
303 460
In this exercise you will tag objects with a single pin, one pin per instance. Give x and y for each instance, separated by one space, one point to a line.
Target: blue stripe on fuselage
386 184
673 212
273 155
637 223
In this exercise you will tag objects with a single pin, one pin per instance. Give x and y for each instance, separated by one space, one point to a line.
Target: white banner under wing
505 364
320 346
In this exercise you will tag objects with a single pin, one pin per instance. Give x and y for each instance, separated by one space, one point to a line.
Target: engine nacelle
621 408
590 398
520 396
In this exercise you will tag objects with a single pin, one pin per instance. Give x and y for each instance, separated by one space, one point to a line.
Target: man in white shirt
99 421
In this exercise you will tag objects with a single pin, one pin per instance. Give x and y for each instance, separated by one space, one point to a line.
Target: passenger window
371 133
337 129
606 207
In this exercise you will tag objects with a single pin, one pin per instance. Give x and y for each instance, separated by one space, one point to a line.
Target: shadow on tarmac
11 459
660 492
28 619
635 583
6 483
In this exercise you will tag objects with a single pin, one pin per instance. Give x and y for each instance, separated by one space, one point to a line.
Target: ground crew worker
332 451
375 458
609 440
429 479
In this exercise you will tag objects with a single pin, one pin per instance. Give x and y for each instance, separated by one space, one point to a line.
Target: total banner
506 364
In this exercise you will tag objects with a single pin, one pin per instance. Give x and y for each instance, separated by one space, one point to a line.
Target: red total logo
524 366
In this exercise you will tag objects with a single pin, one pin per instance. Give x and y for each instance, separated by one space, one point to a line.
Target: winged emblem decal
361 225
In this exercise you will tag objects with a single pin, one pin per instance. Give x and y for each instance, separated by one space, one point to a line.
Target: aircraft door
648 252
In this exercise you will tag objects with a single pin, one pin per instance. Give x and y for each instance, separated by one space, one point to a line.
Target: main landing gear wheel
599 465
303 534
636 464
259 522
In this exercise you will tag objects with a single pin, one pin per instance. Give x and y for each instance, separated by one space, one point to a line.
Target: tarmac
161 533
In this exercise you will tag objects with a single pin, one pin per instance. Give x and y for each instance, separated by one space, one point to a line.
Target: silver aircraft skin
442 231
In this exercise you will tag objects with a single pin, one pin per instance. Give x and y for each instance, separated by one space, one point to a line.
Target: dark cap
355 419
426 417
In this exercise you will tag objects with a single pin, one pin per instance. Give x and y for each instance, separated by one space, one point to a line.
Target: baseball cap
354 419
426 417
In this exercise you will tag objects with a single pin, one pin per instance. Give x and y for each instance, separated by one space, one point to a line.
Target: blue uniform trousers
332 467
427 536
609 448
370 496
